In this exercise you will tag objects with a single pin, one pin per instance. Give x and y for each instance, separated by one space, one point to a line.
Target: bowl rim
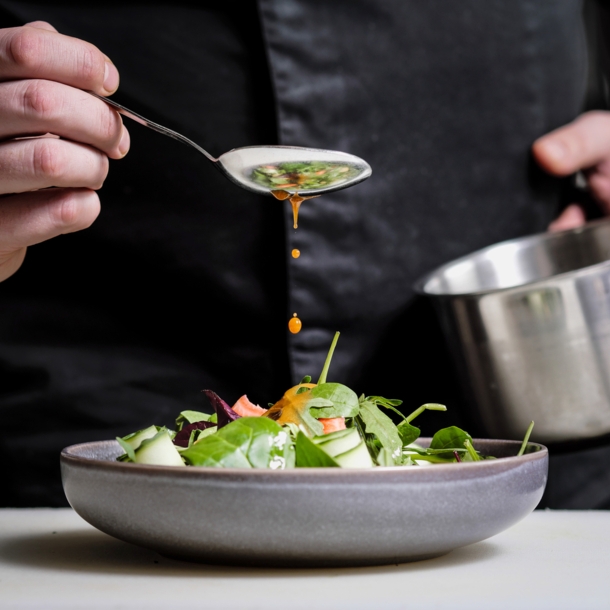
420 283
69 458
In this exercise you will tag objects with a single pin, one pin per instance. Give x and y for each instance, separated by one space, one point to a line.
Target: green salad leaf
192 417
382 428
450 439
248 442
344 401
310 455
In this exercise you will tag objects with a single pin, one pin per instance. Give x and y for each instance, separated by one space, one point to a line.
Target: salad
303 175
323 424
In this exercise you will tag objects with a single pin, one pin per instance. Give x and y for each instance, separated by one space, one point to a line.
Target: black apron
186 282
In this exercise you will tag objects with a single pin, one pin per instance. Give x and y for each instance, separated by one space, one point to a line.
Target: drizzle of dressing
295 200
294 325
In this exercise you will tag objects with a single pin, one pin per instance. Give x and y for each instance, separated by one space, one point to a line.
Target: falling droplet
294 325
296 253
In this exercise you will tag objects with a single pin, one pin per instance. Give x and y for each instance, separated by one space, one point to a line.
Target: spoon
239 164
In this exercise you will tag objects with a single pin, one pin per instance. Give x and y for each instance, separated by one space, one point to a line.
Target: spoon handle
170 133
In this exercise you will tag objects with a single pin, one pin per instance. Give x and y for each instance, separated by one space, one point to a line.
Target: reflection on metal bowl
529 324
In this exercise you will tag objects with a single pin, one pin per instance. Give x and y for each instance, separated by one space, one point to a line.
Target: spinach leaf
408 433
382 427
343 400
450 438
309 455
248 442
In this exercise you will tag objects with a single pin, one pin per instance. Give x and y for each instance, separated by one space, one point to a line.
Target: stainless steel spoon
239 164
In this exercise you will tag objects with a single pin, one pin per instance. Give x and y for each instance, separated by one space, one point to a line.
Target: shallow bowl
304 516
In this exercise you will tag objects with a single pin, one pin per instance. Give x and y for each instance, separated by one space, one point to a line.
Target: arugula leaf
386 403
248 442
450 438
382 427
343 401
310 455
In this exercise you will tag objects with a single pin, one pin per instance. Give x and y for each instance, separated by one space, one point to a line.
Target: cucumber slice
332 435
134 440
339 441
159 450
358 457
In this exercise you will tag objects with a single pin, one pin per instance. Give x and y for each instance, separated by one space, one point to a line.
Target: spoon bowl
263 169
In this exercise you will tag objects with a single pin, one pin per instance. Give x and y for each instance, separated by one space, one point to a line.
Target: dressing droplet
294 325
296 253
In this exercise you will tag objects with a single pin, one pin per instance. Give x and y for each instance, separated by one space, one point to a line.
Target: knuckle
39 100
25 48
48 159
91 65
73 210
65 211
109 127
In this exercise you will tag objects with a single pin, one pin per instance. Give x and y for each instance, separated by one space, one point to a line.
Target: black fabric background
183 282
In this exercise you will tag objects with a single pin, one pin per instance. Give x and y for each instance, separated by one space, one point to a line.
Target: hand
583 145
43 79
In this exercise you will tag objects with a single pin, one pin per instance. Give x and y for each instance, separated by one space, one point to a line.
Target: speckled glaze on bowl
305 516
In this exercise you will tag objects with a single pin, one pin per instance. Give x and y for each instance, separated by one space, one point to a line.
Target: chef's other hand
52 134
583 145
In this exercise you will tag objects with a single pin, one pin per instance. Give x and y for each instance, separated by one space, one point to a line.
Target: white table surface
51 558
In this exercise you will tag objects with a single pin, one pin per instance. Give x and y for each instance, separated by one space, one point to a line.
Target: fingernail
125 142
111 77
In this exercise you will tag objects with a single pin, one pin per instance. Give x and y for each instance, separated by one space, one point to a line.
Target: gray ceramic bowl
304 517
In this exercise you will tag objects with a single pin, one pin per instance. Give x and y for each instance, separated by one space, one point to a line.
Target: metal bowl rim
419 284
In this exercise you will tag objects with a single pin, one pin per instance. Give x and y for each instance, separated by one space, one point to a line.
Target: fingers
41 25
33 51
35 217
38 163
582 144
31 107
573 216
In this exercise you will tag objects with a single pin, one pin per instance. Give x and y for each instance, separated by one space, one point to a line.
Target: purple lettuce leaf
223 411
182 438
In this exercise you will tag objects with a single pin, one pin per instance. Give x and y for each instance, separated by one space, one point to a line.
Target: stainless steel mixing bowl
529 324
